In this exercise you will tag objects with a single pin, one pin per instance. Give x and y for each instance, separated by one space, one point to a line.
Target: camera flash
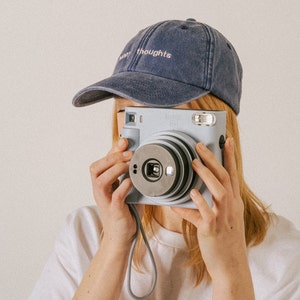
170 171
204 119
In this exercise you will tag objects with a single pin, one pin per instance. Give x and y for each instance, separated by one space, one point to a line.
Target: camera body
164 141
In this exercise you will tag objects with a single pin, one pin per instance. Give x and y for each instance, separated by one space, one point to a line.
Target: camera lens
161 167
152 170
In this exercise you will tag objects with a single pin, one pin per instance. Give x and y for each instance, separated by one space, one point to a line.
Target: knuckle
93 168
224 177
210 222
117 197
222 196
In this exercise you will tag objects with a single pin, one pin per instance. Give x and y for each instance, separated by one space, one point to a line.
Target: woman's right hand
105 275
118 223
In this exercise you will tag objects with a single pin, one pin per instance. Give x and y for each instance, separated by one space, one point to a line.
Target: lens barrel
161 167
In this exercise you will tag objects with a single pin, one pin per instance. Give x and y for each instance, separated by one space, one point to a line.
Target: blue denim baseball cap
171 63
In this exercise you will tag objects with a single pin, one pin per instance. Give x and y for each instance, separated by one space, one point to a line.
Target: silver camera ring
187 145
150 156
178 151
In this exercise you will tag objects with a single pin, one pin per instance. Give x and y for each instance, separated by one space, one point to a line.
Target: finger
211 181
104 184
119 195
189 214
209 220
103 164
230 165
120 145
202 205
193 215
214 165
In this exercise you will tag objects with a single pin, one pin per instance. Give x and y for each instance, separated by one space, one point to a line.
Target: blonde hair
256 216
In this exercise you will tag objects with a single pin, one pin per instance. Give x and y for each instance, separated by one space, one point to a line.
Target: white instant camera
163 141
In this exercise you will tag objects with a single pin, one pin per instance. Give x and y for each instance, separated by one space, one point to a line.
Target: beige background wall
51 49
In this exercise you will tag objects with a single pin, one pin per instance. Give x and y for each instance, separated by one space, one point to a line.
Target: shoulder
85 218
275 263
282 232
282 236
74 248
81 230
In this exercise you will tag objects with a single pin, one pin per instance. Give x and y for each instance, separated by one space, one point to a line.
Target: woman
235 249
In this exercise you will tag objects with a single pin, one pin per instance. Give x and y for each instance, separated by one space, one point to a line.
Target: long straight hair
256 216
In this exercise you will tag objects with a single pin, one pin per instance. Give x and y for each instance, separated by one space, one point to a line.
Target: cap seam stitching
209 60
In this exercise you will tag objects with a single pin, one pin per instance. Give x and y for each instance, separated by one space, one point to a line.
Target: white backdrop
51 49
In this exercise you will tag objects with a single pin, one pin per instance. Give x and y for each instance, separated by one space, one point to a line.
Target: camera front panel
164 142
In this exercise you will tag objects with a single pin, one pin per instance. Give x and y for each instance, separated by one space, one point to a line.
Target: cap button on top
191 20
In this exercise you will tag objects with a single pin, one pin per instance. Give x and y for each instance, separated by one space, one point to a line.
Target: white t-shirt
274 264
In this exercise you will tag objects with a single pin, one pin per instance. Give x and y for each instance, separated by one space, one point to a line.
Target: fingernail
121 142
127 154
201 146
194 193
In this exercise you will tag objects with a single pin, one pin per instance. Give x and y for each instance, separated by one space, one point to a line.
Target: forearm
105 275
236 284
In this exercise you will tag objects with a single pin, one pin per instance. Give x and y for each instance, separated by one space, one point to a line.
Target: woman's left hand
221 228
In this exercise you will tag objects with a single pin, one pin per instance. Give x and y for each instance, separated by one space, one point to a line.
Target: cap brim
142 88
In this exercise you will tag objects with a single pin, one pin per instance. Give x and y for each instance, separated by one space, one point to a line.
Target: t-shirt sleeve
73 251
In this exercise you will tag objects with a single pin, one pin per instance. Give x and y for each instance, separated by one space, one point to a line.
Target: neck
168 219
